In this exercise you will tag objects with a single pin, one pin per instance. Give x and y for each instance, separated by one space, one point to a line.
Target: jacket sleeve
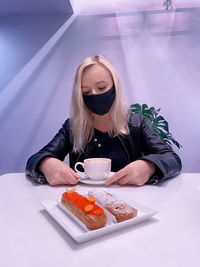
58 148
168 163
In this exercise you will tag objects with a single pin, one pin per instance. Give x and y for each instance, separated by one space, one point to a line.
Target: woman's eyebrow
96 83
101 82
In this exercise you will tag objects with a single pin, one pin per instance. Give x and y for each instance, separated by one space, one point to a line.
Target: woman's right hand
58 172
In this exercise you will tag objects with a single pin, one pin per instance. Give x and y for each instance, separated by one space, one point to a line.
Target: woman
100 126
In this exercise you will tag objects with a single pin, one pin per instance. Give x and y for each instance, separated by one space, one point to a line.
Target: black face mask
100 103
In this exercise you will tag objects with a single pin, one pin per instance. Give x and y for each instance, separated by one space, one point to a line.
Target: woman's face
96 79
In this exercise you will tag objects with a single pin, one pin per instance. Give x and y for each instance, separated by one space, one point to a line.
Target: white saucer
85 180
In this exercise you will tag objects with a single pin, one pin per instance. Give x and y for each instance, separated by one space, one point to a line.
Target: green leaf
136 108
147 113
144 106
158 123
169 136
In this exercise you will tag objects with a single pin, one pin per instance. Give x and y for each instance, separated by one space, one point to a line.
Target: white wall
158 62
163 65
21 7
31 113
21 37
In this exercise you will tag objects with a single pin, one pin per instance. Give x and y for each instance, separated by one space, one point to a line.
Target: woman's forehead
96 71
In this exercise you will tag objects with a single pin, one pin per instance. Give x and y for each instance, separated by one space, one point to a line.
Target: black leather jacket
141 143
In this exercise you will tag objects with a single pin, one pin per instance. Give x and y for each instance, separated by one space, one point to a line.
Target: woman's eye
86 93
101 88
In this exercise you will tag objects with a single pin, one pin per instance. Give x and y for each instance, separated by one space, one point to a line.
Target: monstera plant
157 122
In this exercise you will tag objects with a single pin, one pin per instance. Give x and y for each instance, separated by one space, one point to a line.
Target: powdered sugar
112 203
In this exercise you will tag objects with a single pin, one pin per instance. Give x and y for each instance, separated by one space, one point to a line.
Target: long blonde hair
81 119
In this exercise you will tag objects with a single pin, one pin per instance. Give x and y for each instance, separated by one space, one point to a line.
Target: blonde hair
81 119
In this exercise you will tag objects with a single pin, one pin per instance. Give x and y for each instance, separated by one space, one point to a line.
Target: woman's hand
57 172
136 173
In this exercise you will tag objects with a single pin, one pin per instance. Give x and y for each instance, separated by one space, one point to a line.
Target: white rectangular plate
79 234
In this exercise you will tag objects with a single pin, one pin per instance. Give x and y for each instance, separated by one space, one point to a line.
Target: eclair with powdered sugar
117 207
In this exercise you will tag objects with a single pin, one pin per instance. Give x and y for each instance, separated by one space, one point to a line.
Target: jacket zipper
124 148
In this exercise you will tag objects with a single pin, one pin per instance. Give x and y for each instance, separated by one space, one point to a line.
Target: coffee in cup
95 168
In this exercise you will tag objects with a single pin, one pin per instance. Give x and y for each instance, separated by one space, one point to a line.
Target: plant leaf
158 123
136 108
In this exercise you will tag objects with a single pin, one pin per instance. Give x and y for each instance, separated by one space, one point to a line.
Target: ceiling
24 7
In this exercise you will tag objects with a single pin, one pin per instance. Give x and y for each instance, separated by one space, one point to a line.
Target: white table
31 237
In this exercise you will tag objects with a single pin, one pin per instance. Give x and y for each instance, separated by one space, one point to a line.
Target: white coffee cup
95 168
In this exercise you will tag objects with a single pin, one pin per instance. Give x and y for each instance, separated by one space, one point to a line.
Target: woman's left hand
136 173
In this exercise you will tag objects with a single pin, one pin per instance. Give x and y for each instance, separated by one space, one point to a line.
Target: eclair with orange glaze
85 209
